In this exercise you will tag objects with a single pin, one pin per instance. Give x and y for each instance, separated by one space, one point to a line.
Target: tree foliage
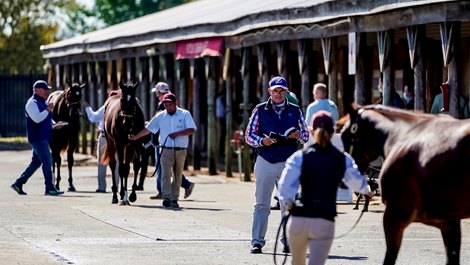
116 11
25 25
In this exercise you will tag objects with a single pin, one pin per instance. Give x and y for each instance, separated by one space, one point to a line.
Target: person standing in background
321 102
98 117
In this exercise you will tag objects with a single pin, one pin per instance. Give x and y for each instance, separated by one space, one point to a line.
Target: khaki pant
316 234
172 164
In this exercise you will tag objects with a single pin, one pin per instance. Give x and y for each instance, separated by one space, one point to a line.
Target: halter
353 130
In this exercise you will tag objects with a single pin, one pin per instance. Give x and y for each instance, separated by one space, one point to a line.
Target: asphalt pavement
213 225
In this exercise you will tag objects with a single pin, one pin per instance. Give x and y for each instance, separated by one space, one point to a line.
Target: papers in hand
60 124
282 137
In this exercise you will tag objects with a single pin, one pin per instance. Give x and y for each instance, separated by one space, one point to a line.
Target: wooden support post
182 77
416 36
450 38
153 78
245 71
92 99
144 87
360 91
282 48
385 41
263 51
304 48
227 75
211 75
102 81
197 114
329 47
83 78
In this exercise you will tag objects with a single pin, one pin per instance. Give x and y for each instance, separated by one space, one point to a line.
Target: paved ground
212 227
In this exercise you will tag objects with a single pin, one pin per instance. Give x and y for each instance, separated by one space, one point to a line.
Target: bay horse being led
425 176
123 116
67 104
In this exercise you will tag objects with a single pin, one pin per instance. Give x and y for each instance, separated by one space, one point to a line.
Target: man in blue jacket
39 125
275 129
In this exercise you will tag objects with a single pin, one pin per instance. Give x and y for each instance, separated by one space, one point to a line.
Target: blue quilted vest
270 121
39 131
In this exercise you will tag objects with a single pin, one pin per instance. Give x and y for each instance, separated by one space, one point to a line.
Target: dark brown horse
425 175
123 116
67 104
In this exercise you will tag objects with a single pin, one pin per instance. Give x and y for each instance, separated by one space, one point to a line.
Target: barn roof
244 23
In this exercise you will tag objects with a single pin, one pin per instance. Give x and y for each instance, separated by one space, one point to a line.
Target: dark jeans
41 156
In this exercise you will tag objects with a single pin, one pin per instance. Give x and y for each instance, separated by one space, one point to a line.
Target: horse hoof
114 201
133 197
123 203
139 188
72 189
356 208
365 210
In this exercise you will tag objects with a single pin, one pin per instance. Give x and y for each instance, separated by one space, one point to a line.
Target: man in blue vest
275 129
39 125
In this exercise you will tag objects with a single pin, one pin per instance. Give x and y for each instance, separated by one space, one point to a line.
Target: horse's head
73 96
362 139
129 106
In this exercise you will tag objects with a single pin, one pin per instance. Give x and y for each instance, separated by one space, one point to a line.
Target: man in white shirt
97 117
175 125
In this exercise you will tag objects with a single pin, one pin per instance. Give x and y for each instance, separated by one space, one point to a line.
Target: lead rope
159 157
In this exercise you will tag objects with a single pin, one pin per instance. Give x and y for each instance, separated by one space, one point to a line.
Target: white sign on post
352 53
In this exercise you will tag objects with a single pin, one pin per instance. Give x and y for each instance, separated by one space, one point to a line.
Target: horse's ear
121 84
67 81
83 85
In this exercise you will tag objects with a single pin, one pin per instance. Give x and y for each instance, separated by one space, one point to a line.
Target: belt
174 148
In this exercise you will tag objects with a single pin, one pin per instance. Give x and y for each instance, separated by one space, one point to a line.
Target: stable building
207 48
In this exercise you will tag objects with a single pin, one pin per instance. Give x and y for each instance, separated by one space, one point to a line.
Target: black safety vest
322 171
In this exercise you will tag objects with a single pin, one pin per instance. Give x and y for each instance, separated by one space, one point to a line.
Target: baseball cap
41 84
322 119
169 97
278 81
161 87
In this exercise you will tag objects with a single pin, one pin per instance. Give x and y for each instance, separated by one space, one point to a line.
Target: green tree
116 11
25 25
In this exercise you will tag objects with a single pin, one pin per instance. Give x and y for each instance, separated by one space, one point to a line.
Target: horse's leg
143 165
393 228
136 166
114 187
123 173
451 234
366 205
70 162
359 196
56 162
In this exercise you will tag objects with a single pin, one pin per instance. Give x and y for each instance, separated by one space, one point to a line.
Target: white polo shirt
168 124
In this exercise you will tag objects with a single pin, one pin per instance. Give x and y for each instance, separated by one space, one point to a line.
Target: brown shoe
188 191
156 197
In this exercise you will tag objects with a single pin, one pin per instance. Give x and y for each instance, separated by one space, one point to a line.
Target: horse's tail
105 156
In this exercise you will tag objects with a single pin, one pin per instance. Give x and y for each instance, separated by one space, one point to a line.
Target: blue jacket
270 121
42 130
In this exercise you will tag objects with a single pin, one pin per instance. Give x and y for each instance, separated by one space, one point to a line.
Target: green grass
19 139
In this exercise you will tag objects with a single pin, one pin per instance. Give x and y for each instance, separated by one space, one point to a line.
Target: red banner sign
199 48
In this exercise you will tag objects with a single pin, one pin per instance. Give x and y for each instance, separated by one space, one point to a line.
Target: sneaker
166 203
286 249
174 204
156 197
18 188
100 191
53 192
256 249
188 191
